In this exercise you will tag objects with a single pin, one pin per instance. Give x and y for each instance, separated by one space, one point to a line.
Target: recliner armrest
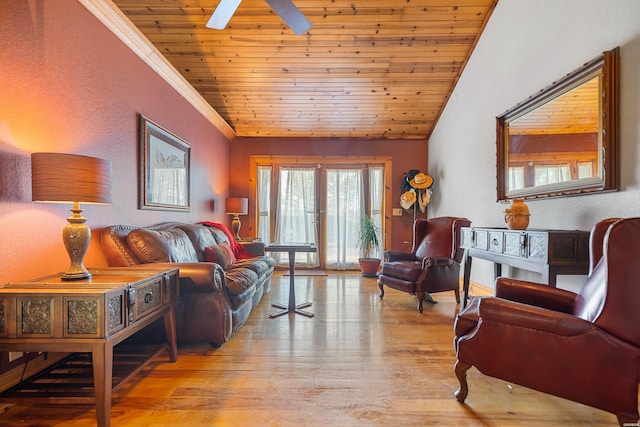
390 256
533 318
535 294
436 262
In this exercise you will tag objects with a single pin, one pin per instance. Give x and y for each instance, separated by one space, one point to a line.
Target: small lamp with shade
71 178
236 206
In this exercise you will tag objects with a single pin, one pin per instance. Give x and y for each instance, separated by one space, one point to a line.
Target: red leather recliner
433 265
583 347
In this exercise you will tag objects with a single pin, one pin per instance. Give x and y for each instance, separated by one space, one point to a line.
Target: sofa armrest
254 248
535 294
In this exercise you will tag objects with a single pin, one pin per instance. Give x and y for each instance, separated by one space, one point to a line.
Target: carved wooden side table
49 314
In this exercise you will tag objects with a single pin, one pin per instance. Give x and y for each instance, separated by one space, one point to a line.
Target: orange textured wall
69 85
406 154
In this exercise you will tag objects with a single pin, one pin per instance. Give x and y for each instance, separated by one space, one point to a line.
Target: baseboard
478 290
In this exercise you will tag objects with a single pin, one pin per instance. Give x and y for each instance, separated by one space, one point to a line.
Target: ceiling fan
284 8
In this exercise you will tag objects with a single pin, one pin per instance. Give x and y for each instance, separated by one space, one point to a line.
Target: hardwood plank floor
359 362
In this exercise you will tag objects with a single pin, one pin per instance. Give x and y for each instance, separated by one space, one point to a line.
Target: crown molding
117 22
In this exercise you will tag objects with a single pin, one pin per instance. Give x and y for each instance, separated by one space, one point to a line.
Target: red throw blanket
238 250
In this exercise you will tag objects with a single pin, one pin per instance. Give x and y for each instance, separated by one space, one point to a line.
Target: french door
319 203
297 212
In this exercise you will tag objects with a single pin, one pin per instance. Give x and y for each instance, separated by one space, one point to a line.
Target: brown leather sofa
215 301
584 347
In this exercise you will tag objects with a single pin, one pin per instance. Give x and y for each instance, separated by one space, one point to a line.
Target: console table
92 316
548 252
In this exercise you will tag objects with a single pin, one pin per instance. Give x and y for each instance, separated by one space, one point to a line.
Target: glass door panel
344 208
296 213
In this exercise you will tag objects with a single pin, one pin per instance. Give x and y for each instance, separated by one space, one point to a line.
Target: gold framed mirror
564 139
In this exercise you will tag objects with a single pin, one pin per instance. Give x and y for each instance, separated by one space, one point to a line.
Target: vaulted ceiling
365 69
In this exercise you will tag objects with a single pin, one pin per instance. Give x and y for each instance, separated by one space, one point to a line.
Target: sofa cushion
269 260
257 265
220 254
201 238
161 246
240 285
219 235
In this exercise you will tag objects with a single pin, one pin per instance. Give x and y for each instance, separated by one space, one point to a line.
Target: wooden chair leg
461 369
420 298
457 292
381 286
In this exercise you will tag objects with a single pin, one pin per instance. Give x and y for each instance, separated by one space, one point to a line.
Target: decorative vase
517 216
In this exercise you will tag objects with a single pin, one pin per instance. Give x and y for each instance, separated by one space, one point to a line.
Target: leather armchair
433 265
584 347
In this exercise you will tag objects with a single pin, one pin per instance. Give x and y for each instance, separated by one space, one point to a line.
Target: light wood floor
360 362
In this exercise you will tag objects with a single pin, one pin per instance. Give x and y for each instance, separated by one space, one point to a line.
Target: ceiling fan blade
222 14
291 15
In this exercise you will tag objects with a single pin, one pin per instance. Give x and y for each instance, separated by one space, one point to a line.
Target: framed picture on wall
164 169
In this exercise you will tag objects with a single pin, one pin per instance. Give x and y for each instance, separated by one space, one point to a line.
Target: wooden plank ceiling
365 69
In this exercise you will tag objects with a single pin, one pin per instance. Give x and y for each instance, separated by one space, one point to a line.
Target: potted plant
369 240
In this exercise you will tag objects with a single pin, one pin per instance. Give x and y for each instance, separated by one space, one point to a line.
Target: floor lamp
70 178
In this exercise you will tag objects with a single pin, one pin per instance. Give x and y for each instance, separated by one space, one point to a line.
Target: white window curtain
516 178
345 208
551 174
264 204
585 170
296 216
376 193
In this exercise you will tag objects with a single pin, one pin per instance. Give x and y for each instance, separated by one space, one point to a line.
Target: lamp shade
237 205
58 177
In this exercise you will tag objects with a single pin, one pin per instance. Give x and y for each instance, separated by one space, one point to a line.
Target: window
320 203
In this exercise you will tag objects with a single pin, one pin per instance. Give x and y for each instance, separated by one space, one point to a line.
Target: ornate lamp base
235 224
76 236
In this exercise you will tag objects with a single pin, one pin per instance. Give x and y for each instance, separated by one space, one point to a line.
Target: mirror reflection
564 139
558 141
